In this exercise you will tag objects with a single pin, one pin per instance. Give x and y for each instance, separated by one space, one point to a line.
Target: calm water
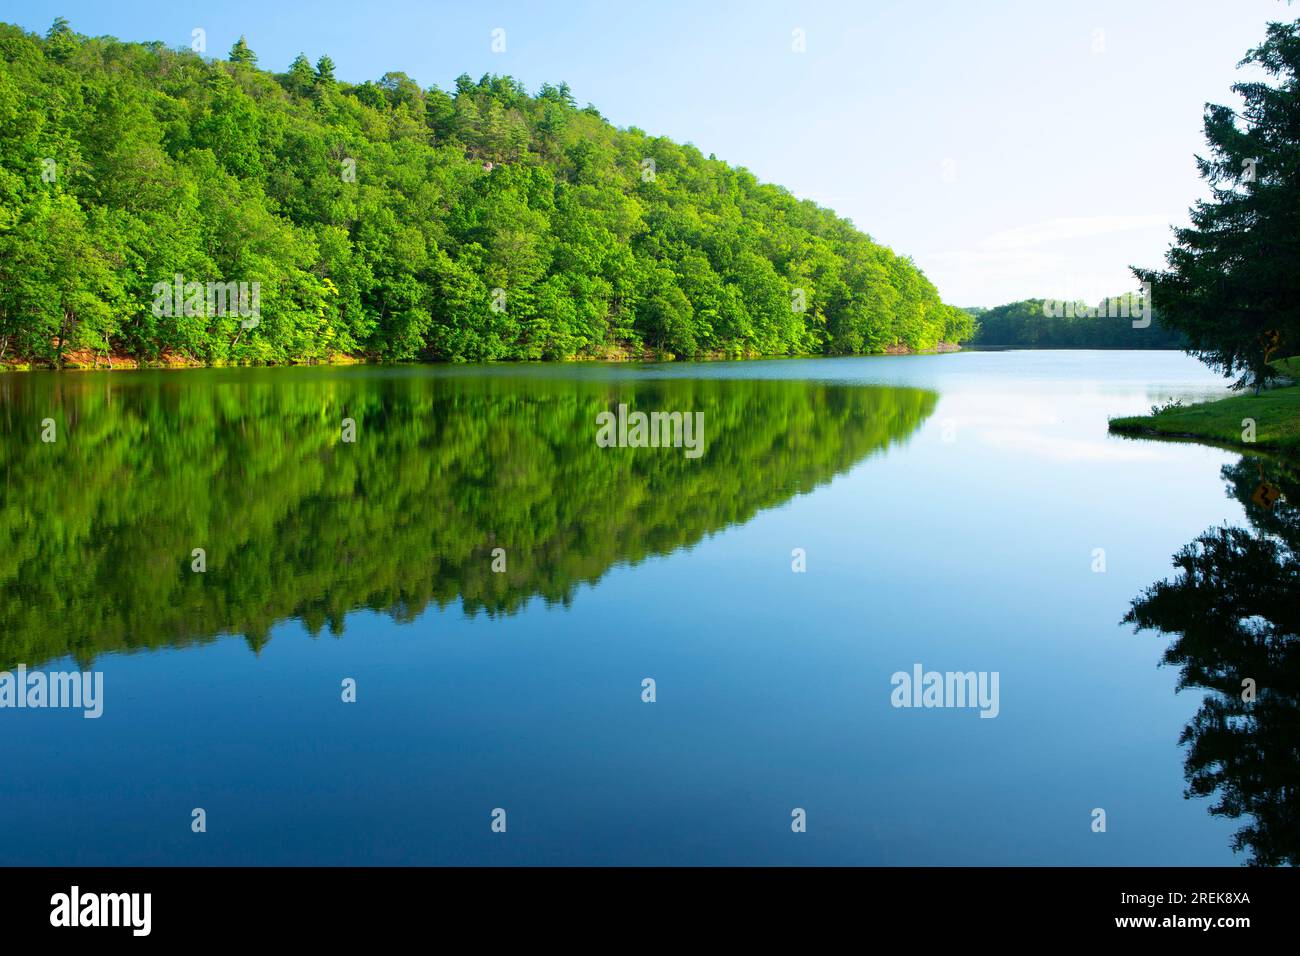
949 509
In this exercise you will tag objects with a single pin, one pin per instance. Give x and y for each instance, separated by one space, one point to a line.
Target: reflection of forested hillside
98 527
1234 613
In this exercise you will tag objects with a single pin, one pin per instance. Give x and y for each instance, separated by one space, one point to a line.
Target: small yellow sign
1266 494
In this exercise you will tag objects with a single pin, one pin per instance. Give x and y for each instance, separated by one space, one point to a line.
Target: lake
424 595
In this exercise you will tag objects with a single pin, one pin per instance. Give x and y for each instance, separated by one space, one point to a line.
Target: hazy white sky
1013 148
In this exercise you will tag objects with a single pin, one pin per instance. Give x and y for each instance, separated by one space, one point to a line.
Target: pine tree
324 71
301 76
1233 282
61 41
240 53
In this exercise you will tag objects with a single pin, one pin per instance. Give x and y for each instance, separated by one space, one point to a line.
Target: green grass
1276 413
1290 367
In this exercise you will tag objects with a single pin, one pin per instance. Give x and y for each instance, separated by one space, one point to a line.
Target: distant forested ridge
1050 324
393 222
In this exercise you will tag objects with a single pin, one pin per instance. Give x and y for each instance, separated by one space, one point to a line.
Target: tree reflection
99 526
1233 611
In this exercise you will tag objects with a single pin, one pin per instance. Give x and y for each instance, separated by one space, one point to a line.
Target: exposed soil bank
89 360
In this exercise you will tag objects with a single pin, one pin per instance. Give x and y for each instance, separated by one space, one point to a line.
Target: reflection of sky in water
773 687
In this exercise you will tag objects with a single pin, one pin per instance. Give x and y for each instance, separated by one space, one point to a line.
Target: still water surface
949 509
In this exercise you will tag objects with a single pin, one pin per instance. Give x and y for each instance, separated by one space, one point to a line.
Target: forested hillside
1045 324
394 222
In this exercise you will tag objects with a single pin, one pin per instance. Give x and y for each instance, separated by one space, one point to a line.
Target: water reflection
100 526
1233 611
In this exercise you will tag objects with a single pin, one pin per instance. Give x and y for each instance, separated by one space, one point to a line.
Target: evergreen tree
240 53
324 71
301 77
60 40
1233 282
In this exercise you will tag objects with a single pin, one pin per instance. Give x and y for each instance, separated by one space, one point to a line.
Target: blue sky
1011 148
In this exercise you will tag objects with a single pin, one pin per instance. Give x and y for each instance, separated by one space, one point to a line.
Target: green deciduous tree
388 221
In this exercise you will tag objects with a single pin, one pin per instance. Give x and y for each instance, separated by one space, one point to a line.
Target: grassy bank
1289 367
1276 413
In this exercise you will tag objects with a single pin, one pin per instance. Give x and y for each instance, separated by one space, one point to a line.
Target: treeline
1053 324
395 222
296 523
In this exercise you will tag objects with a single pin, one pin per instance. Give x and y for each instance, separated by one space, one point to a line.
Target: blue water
965 542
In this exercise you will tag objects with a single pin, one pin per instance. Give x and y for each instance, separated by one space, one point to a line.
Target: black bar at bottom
368 904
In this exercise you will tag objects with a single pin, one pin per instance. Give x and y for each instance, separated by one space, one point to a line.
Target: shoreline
1272 419
117 363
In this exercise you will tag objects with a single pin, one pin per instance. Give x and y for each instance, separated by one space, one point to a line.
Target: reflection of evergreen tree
98 527
1234 612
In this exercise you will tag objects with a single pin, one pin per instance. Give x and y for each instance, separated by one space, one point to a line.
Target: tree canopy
396 222
1233 280
1048 324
